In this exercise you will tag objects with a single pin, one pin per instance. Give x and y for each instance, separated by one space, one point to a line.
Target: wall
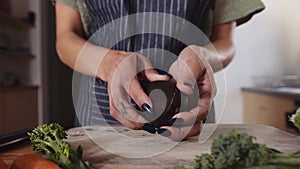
268 45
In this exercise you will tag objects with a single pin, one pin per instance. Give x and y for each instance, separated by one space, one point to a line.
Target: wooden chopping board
119 147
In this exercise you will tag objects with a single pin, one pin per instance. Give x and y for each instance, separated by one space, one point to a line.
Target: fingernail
132 102
189 85
164 73
146 108
143 83
149 128
164 132
176 122
167 74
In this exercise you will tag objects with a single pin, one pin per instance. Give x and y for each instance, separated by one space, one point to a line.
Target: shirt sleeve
70 3
239 10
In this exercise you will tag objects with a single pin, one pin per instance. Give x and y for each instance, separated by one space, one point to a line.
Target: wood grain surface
96 150
130 143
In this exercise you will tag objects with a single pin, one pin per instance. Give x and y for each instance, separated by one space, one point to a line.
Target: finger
150 73
187 118
207 84
130 82
178 134
126 77
207 90
136 92
200 112
153 75
123 120
122 111
195 115
185 85
191 65
184 75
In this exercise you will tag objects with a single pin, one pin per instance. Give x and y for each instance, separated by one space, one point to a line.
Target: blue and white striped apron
103 12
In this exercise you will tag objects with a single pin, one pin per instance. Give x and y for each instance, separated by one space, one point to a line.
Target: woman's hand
120 69
189 70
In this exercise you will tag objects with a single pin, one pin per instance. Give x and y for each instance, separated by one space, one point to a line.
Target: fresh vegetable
205 161
240 151
48 139
32 161
176 167
3 165
296 119
236 150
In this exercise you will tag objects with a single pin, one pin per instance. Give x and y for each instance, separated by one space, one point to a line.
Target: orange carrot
33 161
3 165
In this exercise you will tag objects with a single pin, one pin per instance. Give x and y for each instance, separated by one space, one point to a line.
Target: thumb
186 86
185 77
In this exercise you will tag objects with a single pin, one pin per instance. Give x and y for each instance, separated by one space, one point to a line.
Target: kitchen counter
284 92
183 153
270 106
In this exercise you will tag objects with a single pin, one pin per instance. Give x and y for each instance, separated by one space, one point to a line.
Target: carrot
33 161
3 165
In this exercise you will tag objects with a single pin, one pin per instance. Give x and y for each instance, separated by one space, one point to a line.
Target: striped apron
93 104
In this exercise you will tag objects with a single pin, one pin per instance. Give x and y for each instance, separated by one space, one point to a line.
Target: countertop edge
273 92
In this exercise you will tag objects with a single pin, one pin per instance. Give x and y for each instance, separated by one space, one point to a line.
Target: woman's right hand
121 70
117 68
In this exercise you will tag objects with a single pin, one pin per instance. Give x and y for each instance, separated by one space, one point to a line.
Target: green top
223 11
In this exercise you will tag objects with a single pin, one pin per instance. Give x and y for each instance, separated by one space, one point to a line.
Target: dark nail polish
146 108
167 74
133 104
176 122
164 132
149 128
189 85
161 72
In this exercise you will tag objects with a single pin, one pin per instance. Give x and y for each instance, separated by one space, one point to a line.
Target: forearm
79 54
72 48
222 50
220 54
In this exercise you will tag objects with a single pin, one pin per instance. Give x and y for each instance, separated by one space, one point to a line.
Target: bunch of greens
48 139
296 119
239 151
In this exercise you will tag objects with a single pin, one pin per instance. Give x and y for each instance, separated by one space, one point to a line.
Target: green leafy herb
205 161
240 151
176 167
236 150
48 139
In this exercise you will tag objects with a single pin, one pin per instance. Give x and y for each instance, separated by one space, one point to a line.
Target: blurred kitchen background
261 85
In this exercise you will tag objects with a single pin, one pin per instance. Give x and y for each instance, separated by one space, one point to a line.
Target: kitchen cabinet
269 106
18 92
13 22
18 108
15 54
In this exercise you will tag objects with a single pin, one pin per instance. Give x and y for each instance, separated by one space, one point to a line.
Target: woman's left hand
189 70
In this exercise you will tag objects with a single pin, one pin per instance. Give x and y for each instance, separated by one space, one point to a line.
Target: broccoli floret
176 167
205 161
239 151
48 139
236 150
